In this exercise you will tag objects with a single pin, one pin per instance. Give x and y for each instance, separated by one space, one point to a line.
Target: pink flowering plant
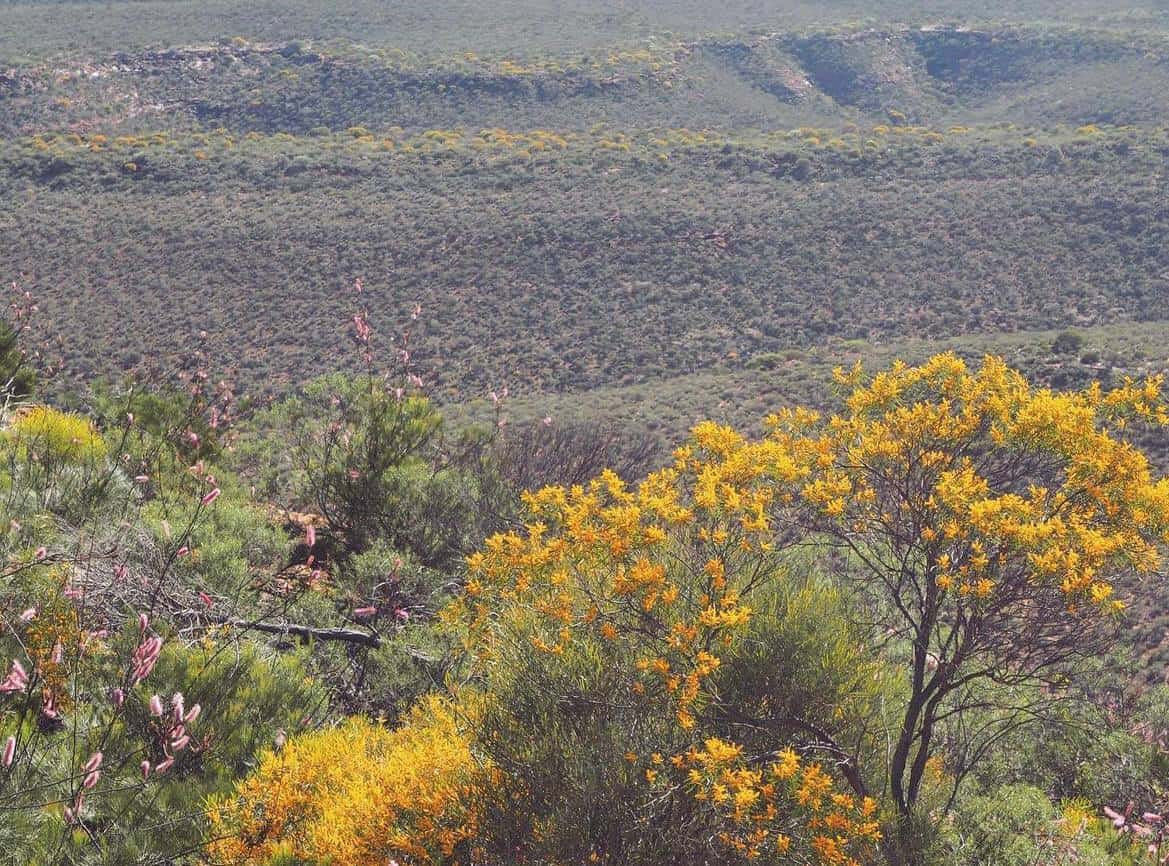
125 697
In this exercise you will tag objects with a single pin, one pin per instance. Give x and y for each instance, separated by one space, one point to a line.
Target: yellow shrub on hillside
54 435
357 795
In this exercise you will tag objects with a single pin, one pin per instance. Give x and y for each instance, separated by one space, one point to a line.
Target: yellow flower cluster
57 436
357 795
54 642
665 568
752 800
602 560
984 480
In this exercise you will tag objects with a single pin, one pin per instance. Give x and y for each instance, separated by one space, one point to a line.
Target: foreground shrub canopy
356 795
983 523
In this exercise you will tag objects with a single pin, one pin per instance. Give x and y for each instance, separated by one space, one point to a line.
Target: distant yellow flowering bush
357 795
58 436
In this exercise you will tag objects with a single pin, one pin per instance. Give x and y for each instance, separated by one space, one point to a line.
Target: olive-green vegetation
551 262
16 375
35 29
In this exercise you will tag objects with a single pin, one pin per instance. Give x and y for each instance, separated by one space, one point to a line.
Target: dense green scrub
553 263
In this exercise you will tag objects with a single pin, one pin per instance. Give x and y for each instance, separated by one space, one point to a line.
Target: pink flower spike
206 599
183 551
364 612
93 763
91 780
29 615
117 697
211 496
41 553
192 714
143 622
9 751
121 571
1152 817
181 743
145 767
361 326
164 766
155 706
70 816
310 536
142 479
401 615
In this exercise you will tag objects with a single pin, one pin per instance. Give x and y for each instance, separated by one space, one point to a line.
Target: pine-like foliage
16 377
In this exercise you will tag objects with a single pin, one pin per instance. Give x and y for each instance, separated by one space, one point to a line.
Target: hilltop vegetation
633 203
939 74
519 27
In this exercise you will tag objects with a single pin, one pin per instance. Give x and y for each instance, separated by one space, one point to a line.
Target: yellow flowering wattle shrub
985 522
52 462
58 436
357 795
989 519
620 646
653 584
